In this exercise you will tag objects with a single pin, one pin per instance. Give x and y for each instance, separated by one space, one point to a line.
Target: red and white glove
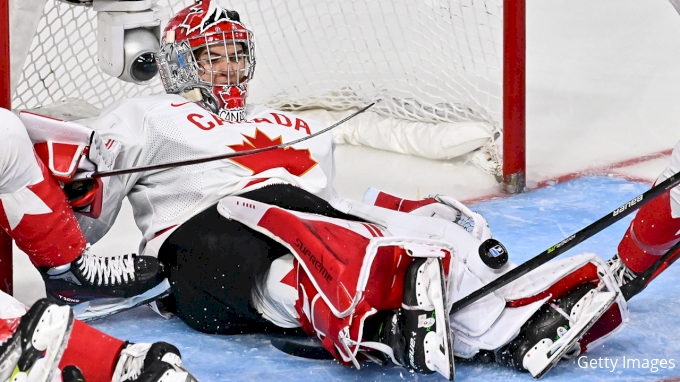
73 152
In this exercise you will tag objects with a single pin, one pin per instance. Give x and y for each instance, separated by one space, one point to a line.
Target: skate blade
440 343
63 321
100 308
545 355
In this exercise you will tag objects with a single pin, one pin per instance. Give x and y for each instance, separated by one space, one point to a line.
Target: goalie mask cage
426 61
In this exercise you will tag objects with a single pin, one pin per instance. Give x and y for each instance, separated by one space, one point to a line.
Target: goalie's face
223 63
208 55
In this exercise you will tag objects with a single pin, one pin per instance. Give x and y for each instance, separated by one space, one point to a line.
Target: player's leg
213 263
33 209
438 206
653 231
338 274
103 358
35 212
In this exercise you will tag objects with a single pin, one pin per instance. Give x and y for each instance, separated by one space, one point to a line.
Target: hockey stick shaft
568 243
102 174
640 282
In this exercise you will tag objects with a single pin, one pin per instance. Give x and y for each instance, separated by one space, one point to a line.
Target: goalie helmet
208 56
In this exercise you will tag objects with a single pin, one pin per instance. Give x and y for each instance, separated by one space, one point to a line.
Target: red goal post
432 62
6 268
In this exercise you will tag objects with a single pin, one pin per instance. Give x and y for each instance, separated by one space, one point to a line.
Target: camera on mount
128 37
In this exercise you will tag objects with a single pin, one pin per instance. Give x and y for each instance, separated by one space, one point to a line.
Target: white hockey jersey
168 128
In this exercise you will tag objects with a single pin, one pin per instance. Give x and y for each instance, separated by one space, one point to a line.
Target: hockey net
434 68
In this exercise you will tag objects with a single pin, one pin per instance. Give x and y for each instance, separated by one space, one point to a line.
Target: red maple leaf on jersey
297 162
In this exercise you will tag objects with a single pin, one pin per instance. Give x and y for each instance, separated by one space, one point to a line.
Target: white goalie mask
208 56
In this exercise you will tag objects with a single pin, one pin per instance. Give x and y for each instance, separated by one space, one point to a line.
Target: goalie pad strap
585 274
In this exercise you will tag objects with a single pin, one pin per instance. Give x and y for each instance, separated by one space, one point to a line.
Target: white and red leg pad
598 315
439 206
527 294
346 271
41 222
652 232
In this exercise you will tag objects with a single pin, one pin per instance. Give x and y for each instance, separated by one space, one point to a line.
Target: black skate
419 334
71 373
35 348
98 286
145 362
554 330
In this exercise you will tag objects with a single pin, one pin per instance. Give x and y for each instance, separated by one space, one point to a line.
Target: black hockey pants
212 263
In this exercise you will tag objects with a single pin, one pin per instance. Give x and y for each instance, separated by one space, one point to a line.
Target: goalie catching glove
72 153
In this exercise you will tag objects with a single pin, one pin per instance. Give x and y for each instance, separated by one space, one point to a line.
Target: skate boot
554 331
35 348
98 286
419 334
159 361
71 373
621 272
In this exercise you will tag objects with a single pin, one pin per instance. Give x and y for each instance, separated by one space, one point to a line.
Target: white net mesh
433 61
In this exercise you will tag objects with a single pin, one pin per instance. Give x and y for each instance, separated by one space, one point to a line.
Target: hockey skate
554 331
419 334
98 286
145 362
621 272
35 348
71 373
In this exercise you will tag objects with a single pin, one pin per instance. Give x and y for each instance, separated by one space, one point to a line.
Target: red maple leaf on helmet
297 162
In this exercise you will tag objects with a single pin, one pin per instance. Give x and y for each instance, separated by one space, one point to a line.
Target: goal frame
6 267
514 109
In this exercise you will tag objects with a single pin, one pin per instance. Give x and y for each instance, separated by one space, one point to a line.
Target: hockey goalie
262 243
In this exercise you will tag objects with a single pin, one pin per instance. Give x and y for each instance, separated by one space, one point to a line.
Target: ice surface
527 224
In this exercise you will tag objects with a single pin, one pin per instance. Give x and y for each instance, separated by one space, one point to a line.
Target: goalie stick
102 174
568 243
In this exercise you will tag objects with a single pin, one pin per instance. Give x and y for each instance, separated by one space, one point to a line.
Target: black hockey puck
493 253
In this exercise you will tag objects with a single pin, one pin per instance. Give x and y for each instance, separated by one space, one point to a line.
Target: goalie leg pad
584 308
439 206
346 270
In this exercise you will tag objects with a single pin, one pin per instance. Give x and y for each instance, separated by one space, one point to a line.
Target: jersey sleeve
116 124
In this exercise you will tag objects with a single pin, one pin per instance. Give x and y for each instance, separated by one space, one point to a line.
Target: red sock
93 352
651 233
